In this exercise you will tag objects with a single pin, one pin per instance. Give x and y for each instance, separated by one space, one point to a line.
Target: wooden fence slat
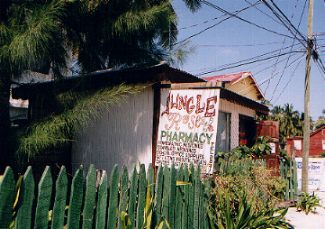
43 200
7 197
76 199
197 190
124 195
179 196
191 196
141 197
166 192
183 205
113 199
185 199
172 197
24 213
133 196
151 180
102 202
159 194
90 198
61 190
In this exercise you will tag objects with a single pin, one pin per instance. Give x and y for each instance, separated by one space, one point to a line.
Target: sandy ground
311 221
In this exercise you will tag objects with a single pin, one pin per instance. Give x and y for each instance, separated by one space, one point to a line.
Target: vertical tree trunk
5 157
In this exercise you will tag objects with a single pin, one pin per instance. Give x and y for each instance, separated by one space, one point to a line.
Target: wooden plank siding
235 110
122 135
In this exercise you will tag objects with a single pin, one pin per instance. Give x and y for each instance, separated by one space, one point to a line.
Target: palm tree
290 121
39 35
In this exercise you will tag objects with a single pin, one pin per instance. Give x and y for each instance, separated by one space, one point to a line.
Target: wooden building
317 144
125 135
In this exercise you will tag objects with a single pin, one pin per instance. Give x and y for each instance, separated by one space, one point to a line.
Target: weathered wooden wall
122 135
235 110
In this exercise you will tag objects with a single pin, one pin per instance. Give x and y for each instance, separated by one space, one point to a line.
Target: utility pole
304 185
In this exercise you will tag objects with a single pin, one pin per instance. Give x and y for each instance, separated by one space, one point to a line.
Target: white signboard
316 173
188 127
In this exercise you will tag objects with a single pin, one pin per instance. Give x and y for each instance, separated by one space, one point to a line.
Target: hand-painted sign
316 173
188 127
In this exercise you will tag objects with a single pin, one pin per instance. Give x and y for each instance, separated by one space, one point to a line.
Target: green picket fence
174 198
289 173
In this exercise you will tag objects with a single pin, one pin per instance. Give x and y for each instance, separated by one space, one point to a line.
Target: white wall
316 172
122 135
235 110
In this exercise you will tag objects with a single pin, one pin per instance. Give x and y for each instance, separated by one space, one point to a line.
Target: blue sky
234 40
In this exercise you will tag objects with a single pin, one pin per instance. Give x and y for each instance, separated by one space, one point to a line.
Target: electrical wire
289 81
244 20
214 25
247 63
286 22
266 80
239 45
276 62
253 58
285 66
264 13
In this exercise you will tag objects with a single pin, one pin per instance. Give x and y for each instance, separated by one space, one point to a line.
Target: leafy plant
307 203
148 216
322 154
261 147
244 215
78 109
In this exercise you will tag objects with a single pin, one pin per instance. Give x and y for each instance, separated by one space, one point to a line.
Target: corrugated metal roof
228 78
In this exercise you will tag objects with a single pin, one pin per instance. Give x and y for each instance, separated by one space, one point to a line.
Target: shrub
244 215
237 175
307 203
322 154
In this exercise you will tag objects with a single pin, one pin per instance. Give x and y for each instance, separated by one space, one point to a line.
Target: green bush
235 175
307 203
244 215
322 154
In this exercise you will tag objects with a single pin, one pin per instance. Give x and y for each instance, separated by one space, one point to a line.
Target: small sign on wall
188 127
316 173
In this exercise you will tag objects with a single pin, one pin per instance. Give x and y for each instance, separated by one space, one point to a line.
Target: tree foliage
290 121
78 109
47 35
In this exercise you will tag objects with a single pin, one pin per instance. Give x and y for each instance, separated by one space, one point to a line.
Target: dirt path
311 221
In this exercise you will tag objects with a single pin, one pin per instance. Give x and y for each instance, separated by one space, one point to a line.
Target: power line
290 26
255 57
266 80
214 25
239 45
247 63
290 78
244 20
285 67
268 84
262 12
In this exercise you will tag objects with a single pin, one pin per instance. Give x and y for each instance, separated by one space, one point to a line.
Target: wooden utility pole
304 185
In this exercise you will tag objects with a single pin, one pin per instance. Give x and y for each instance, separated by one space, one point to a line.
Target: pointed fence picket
176 196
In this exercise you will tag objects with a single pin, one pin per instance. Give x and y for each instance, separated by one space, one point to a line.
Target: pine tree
38 35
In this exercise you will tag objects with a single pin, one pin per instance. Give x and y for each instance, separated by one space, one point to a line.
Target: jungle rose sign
188 127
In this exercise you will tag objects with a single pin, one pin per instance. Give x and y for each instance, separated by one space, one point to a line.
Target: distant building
317 144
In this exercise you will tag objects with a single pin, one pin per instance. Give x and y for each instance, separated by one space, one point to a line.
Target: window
297 144
223 132
323 144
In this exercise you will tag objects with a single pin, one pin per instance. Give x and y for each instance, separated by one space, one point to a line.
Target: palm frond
59 129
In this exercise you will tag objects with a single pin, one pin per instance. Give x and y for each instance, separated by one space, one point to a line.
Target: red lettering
190 108
199 109
209 107
172 103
